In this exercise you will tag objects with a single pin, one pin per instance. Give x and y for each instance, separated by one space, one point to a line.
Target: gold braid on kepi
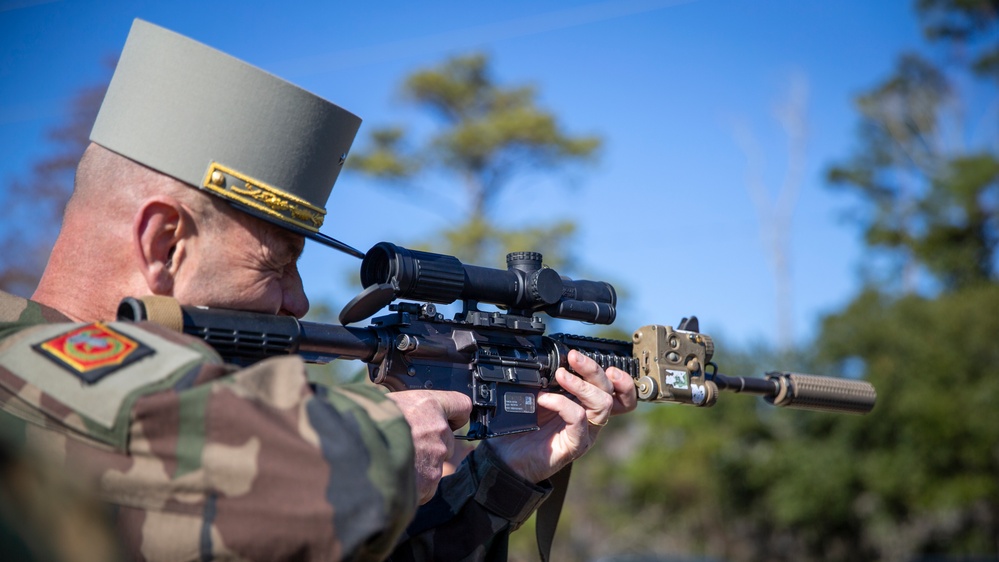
266 146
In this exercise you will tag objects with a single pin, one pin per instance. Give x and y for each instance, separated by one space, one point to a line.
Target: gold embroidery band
269 200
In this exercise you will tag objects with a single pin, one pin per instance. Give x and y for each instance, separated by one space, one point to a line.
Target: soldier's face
244 263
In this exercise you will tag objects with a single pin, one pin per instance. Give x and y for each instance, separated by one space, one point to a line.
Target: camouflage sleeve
204 461
473 513
258 465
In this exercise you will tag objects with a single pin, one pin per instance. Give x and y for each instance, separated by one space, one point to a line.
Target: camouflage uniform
47 515
206 461
203 460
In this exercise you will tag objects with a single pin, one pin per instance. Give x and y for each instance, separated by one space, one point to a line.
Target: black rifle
501 360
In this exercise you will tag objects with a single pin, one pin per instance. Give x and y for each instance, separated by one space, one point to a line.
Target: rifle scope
525 286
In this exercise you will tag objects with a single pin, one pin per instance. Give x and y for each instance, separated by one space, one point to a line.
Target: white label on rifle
676 379
519 402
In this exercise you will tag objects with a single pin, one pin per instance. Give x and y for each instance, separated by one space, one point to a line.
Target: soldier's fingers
596 401
625 394
590 371
570 412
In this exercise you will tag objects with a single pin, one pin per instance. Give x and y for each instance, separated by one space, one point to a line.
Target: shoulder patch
107 400
93 351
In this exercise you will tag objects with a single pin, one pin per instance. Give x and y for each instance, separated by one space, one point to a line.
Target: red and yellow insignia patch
93 351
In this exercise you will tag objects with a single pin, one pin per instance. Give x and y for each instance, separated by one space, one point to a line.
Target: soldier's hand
568 427
432 416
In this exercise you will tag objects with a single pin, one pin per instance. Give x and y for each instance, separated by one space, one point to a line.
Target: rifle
501 360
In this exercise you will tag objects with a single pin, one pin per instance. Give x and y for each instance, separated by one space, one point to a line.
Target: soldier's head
203 178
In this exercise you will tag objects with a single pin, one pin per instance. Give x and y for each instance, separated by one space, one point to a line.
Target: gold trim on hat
284 206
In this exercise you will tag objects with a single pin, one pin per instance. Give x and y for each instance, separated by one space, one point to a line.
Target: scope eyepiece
414 274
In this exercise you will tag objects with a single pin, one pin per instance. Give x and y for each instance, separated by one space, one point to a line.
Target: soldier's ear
159 234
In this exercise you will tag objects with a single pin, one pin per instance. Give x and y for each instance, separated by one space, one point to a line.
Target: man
203 179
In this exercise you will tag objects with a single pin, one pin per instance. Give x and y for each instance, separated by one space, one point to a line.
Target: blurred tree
922 467
921 477
31 209
488 135
925 195
913 480
916 478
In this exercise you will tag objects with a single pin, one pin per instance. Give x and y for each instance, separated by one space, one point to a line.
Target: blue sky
666 212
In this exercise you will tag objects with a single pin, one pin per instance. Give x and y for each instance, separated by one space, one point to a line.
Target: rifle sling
548 513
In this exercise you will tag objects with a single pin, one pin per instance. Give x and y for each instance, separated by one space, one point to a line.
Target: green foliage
744 481
963 221
384 159
932 206
490 131
924 464
486 136
919 476
925 460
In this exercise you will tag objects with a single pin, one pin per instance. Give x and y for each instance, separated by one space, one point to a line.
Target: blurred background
817 181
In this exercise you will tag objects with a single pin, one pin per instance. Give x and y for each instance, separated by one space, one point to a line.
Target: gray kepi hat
267 147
